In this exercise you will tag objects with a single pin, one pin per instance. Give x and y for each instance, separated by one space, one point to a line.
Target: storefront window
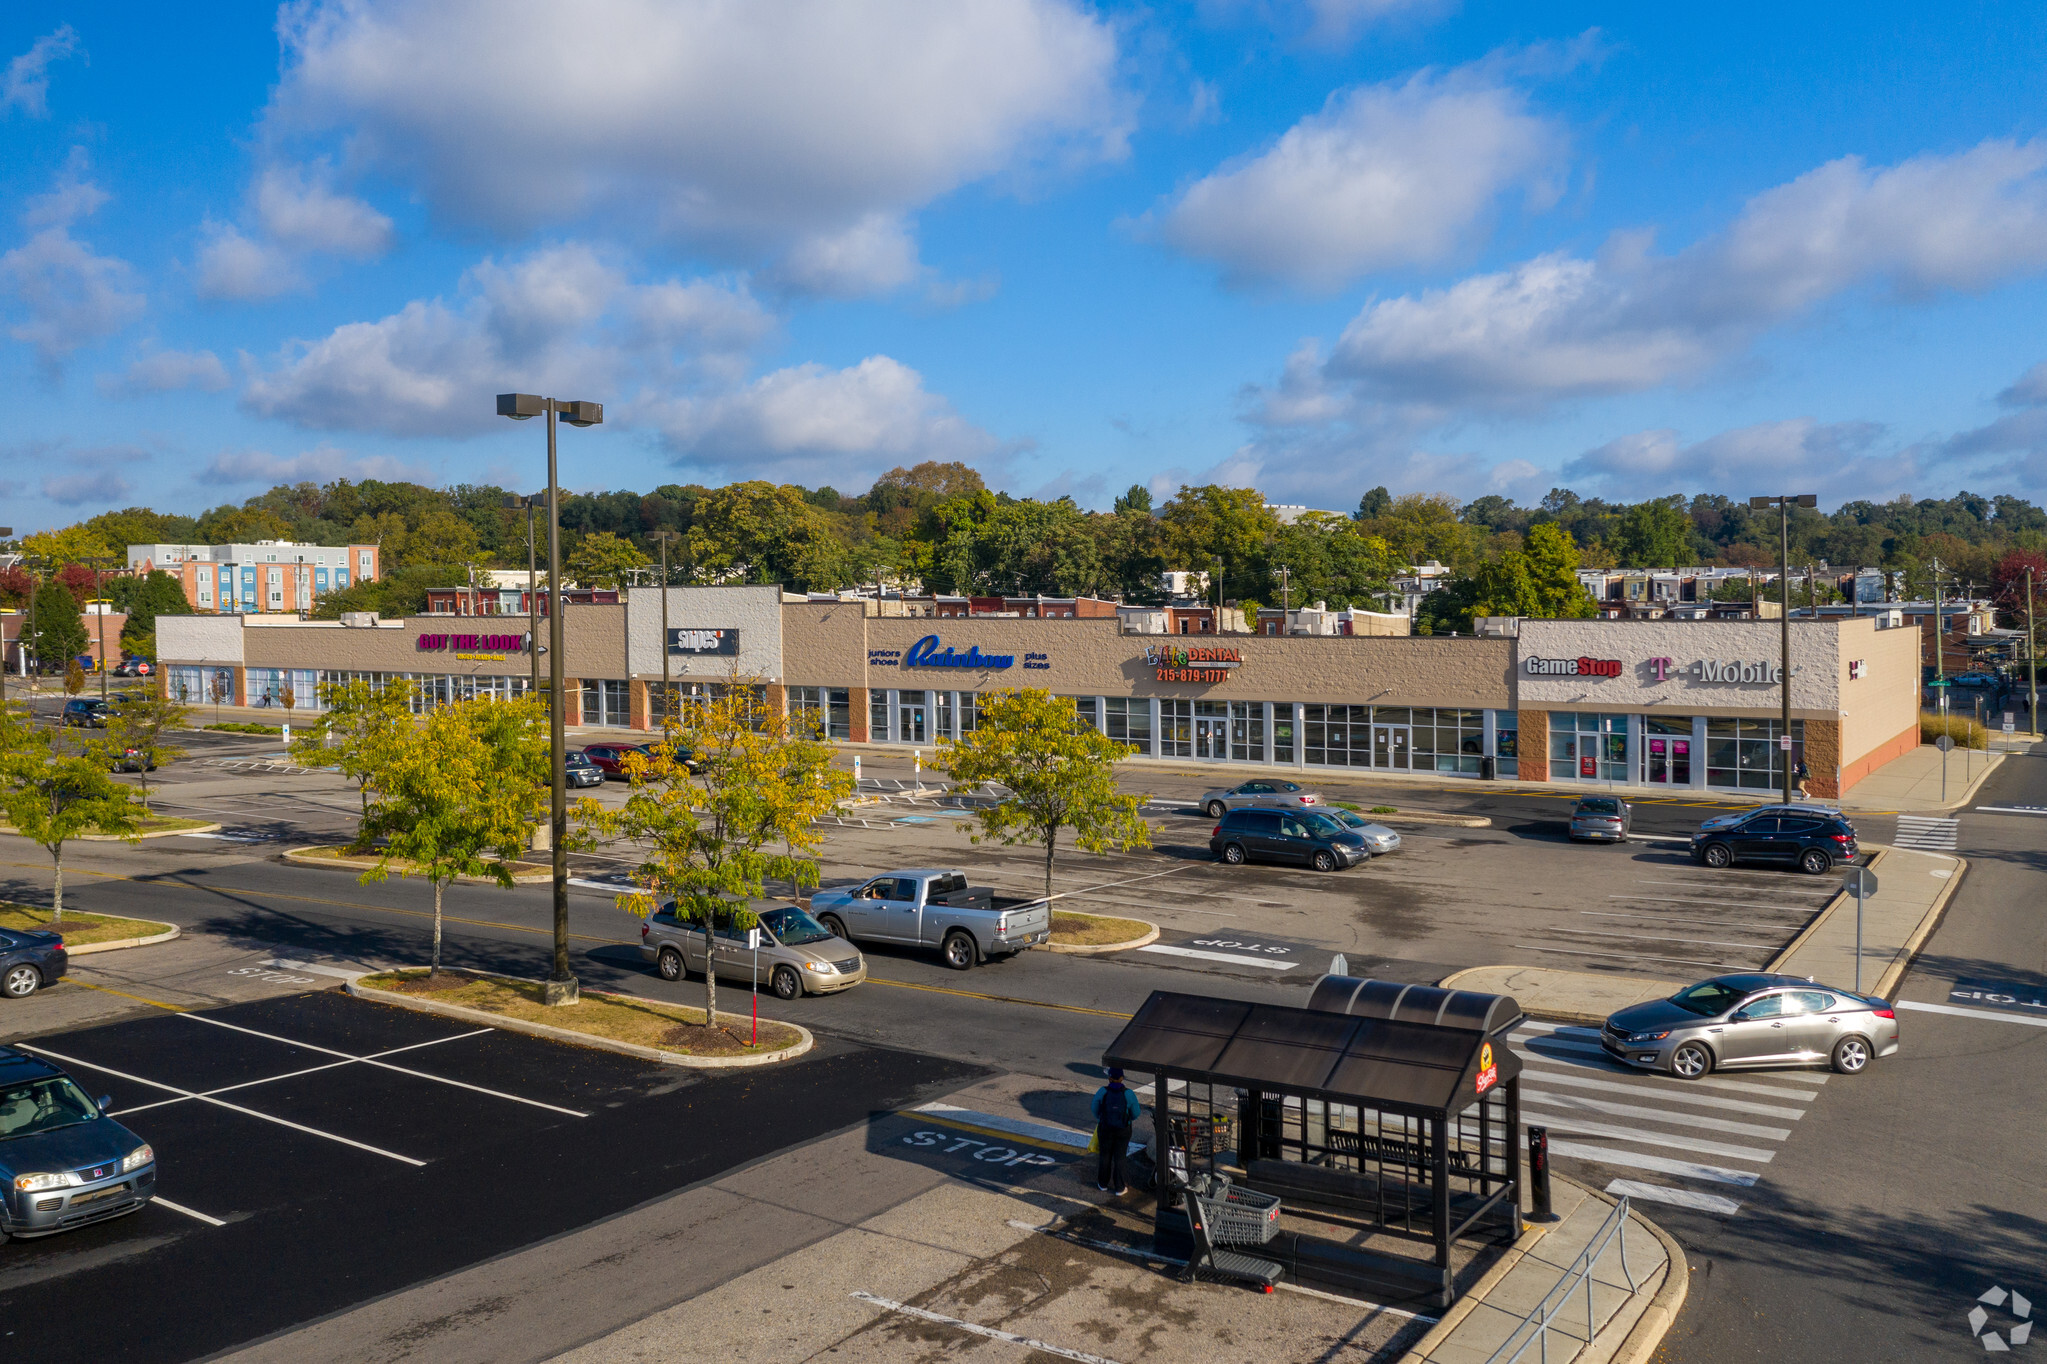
1588 747
283 688
824 707
1247 731
201 686
1743 754
1086 707
1176 729
1667 750
1282 731
1506 748
1128 720
1338 736
606 703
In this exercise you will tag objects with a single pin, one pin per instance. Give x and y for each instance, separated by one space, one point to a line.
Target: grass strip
238 727
1093 930
79 930
621 1018
403 866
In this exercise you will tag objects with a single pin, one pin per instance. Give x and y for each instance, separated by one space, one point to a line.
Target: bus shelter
1381 1107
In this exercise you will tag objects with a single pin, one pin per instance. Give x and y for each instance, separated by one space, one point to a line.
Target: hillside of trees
939 526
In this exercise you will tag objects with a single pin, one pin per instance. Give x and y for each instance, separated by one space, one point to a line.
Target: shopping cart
1236 1216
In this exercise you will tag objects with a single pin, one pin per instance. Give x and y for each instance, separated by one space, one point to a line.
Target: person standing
1116 1110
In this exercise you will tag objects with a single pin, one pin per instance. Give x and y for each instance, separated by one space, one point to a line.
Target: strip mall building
1681 704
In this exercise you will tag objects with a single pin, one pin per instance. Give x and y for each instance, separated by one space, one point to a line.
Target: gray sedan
1266 793
1601 819
1379 839
797 955
1744 1021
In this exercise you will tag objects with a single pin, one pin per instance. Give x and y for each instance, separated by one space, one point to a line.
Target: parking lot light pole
2032 660
21 643
662 537
1784 502
560 986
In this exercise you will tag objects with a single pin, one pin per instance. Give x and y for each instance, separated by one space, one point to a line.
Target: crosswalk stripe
1682 1198
1574 1101
1606 1155
1532 1081
1649 1138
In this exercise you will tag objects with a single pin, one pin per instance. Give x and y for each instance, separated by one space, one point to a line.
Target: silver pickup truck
928 907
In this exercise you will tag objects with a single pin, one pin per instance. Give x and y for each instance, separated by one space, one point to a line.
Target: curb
583 1039
1449 982
126 838
1887 984
1412 818
172 931
1096 949
1818 921
301 857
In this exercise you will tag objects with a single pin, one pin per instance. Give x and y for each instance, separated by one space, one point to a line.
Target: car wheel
1233 853
1718 855
1814 861
959 951
1216 809
21 981
836 927
670 964
1851 1055
785 983
1691 1061
1324 861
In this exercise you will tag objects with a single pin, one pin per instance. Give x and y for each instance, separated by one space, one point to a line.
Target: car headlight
1637 1038
817 966
137 1158
34 1183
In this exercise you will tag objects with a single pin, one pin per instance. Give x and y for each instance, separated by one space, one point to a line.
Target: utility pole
20 642
2032 660
662 537
1783 502
1939 638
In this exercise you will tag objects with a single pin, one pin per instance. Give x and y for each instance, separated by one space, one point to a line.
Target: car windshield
43 1106
1348 818
793 928
1707 998
1324 824
1599 806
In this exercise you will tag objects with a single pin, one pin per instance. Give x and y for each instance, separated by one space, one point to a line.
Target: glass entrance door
1669 761
1390 746
1211 738
910 718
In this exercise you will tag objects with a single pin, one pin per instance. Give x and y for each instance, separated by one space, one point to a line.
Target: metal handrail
1542 1318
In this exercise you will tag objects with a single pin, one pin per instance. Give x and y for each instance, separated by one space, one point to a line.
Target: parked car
1604 819
1312 840
1379 840
610 758
30 958
131 759
1974 680
85 713
932 907
63 1161
1266 791
1803 807
1808 840
1742 1021
798 955
579 770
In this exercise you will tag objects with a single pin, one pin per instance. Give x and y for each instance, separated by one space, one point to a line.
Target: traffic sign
1945 743
1784 742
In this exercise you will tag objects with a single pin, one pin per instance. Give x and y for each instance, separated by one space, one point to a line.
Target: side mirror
1739 1016
106 1101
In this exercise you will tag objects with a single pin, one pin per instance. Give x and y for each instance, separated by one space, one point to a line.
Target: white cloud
95 476
745 128
241 269
322 465
26 83
1383 175
873 256
813 424
1840 461
1336 20
1559 326
562 320
306 213
71 295
101 488
164 371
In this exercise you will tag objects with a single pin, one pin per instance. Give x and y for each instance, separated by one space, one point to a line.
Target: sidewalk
1913 890
1912 781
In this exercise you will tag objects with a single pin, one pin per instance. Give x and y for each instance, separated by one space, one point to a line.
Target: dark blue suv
63 1161
1788 836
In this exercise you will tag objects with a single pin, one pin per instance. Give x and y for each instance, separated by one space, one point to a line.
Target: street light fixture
560 987
662 537
1784 503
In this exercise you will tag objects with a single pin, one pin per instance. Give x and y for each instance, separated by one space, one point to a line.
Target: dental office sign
1170 663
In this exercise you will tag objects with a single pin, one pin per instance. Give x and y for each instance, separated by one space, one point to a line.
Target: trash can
1488 768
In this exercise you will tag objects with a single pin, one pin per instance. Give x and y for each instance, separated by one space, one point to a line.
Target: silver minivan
797 956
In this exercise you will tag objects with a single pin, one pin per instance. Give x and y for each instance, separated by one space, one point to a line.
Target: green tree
1200 525
51 798
141 727
1553 570
1053 771
603 560
360 732
461 797
59 635
759 533
1424 526
1375 504
154 594
707 839
1652 535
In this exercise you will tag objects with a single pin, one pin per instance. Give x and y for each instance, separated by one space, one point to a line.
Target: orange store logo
1488 1072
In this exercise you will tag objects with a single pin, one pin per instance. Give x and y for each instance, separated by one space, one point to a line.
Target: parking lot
315 1149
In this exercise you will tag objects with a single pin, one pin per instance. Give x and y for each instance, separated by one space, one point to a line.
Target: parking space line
1788 890
161 1201
385 1065
110 990
1680 1198
989 1332
1656 919
1665 937
294 1074
1687 900
1229 958
222 1103
1972 1013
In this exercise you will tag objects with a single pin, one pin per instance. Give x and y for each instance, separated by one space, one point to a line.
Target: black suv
1314 840
85 714
1806 839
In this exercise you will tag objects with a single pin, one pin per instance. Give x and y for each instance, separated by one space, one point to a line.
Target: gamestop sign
1571 667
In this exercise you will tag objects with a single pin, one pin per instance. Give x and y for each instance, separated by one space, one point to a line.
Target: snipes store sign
1173 664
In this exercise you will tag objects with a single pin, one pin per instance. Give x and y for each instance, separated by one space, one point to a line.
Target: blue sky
1308 247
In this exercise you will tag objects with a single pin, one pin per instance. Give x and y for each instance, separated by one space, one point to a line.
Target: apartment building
269 575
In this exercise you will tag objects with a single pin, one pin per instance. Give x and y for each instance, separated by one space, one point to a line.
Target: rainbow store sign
926 653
